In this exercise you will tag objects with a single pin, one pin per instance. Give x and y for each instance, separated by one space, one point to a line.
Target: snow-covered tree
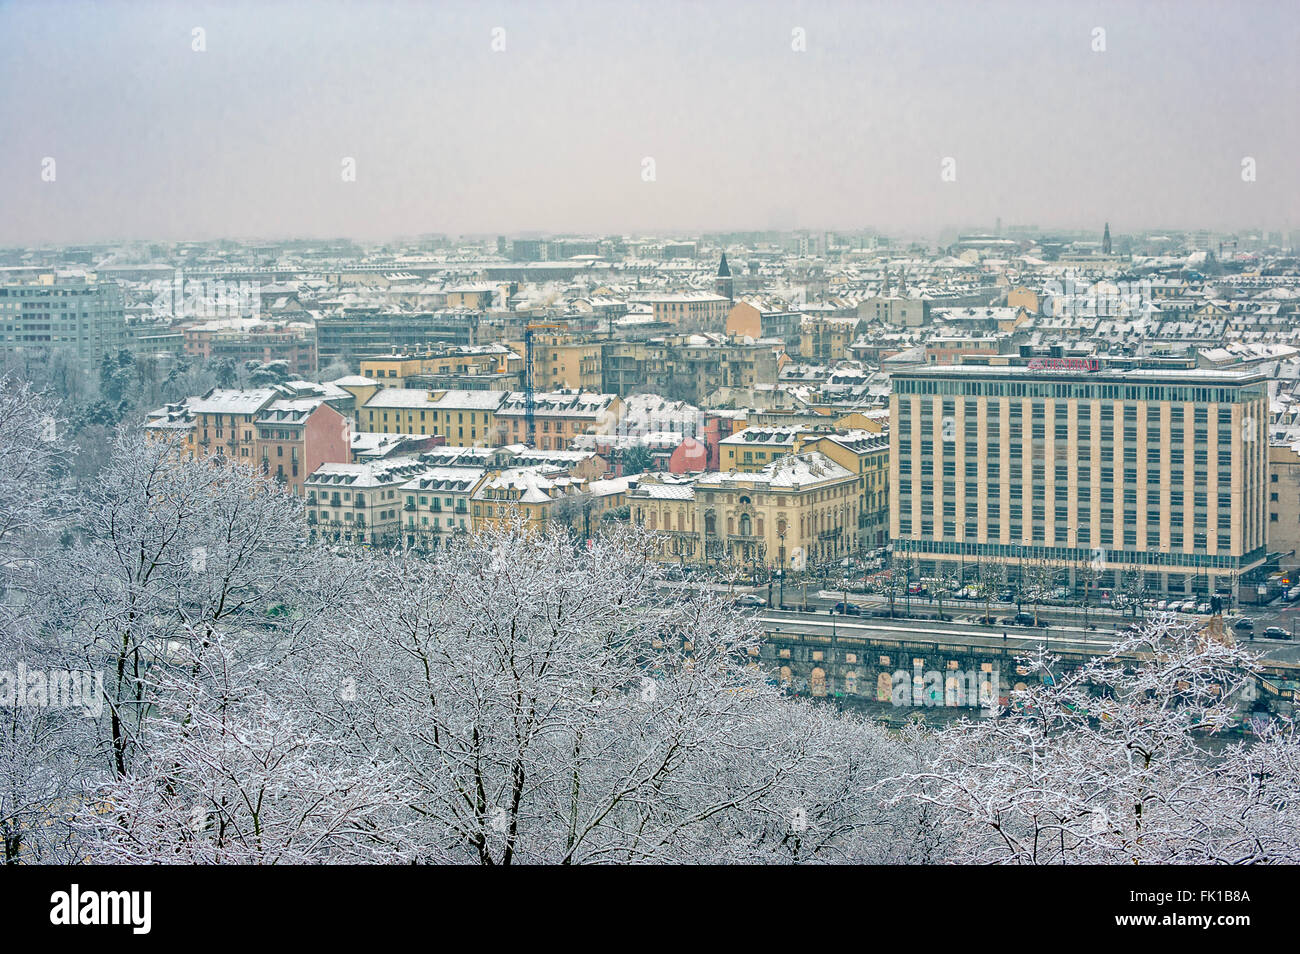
1116 762
169 551
236 772
548 706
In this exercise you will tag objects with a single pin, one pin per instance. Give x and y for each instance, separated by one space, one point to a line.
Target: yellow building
395 370
561 360
797 512
750 450
529 492
1099 472
1021 297
866 454
464 418
559 417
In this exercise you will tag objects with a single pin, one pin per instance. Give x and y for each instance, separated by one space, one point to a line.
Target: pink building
296 437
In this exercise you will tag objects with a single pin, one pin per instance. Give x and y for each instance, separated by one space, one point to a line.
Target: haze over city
756 115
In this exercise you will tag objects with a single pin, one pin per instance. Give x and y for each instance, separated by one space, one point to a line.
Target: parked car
1277 632
1007 595
916 589
1244 624
746 600
1020 619
848 609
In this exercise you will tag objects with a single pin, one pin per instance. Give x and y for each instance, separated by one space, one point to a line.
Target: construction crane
530 401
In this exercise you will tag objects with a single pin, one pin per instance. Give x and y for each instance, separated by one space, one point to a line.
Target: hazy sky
154 140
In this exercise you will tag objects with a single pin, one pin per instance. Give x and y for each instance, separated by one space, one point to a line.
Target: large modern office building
1105 475
85 319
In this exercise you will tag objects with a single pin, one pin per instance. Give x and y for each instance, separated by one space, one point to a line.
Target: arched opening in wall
851 682
817 683
785 675
884 687
952 692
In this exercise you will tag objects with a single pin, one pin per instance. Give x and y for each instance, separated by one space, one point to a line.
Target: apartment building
559 416
495 366
363 333
866 454
691 311
1284 503
759 319
243 340
750 450
294 437
1094 472
437 505
827 338
464 418
359 503
562 360
528 493
85 318
225 421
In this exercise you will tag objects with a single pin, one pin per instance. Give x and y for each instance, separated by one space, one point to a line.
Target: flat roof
1124 375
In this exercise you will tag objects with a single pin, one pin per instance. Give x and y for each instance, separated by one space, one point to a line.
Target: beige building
562 360
1095 472
464 418
530 493
359 503
826 338
866 454
488 361
1284 504
692 311
436 507
559 417
795 513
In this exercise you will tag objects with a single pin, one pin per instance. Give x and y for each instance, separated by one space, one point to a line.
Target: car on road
1020 619
1245 624
847 609
916 589
1277 632
1007 595
748 600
